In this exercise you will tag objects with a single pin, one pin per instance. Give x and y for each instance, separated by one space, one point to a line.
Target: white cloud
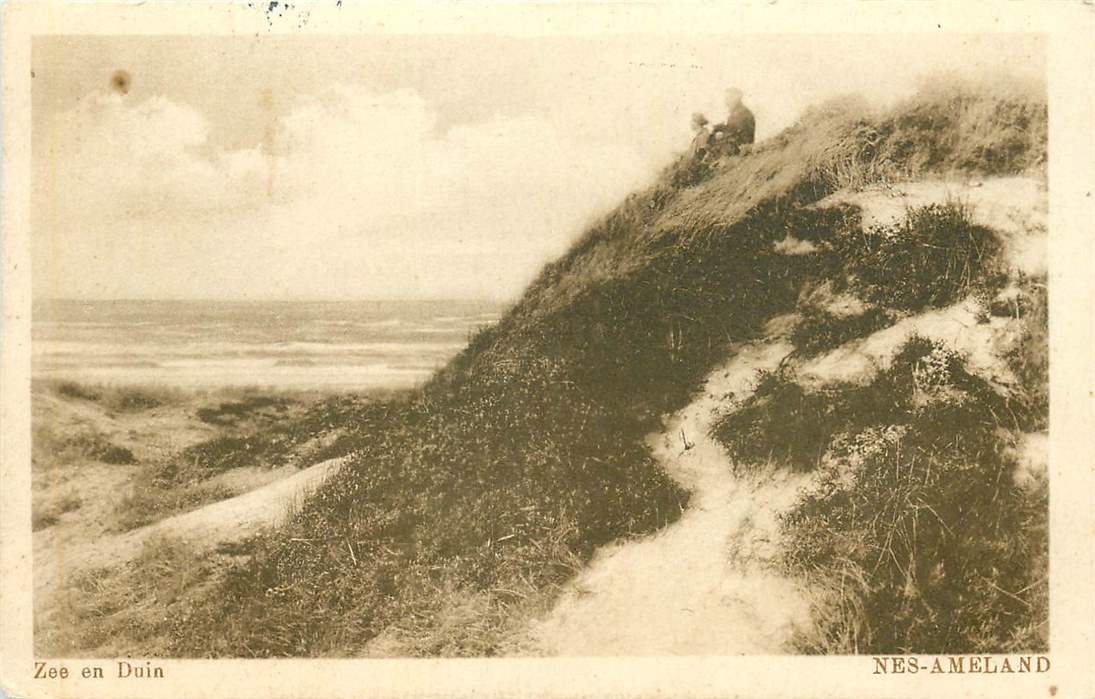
357 194
110 158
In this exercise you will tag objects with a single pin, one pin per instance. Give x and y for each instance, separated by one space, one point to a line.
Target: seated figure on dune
691 168
738 130
702 138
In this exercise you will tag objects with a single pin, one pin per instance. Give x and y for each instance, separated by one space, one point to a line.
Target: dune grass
915 526
933 257
105 611
1029 357
406 520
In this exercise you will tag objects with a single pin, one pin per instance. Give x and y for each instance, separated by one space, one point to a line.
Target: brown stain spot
1053 690
120 81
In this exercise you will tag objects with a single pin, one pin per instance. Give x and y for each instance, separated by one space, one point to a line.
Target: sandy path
701 586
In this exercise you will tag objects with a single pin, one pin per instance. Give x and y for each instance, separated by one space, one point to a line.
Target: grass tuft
50 514
1028 358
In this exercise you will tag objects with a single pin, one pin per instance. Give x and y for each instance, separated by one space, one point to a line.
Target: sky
396 167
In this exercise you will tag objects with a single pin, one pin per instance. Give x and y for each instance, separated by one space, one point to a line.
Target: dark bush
114 454
820 330
221 453
230 412
135 399
96 446
44 520
71 389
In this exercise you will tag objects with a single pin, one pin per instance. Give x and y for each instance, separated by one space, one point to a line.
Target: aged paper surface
547 350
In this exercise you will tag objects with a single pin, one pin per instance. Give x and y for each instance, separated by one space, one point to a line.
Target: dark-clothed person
739 128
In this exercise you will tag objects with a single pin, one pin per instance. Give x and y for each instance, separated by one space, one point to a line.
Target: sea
337 345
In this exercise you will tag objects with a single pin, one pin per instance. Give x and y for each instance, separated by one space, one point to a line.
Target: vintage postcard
548 350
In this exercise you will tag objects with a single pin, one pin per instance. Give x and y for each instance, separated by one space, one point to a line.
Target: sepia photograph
397 345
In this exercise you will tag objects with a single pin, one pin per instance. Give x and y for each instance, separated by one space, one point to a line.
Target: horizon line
430 299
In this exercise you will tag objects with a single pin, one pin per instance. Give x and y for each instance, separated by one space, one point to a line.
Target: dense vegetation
915 524
468 504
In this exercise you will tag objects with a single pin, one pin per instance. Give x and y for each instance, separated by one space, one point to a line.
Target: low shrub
782 423
114 454
71 389
819 330
85 444
135 399
220 453
229 413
